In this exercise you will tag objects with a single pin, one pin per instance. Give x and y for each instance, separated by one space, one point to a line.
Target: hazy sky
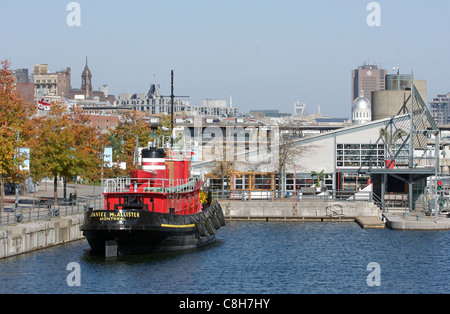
268 54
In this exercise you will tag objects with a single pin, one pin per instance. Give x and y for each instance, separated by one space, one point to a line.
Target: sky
267 54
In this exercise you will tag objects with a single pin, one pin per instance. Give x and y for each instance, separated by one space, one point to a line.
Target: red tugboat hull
140 232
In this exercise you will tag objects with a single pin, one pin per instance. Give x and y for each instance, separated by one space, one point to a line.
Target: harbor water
249 258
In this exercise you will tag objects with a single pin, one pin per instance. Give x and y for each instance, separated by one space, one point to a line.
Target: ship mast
172 110
172 96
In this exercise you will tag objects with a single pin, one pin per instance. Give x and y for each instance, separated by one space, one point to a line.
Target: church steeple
86 81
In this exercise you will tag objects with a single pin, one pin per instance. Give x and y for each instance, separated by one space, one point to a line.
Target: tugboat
158 208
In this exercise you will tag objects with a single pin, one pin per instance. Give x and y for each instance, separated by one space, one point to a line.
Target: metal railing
127 184
48 210
390 163
296 196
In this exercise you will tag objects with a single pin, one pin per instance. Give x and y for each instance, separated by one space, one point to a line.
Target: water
250 257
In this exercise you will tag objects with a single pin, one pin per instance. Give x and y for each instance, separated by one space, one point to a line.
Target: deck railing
127 184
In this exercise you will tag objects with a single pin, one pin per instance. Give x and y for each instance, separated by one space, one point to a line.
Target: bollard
299 196
19 218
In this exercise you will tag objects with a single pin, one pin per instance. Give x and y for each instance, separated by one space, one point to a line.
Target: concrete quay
416 221
367 214
28 237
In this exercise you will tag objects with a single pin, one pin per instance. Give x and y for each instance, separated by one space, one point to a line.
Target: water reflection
148 259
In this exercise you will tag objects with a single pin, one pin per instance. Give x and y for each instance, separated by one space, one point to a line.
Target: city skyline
266 54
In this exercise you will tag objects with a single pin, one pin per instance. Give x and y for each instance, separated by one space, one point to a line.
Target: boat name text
106 216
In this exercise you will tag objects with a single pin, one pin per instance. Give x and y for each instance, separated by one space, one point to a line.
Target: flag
44 104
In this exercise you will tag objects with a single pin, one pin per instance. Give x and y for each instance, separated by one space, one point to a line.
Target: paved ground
416 221
34 206
46 192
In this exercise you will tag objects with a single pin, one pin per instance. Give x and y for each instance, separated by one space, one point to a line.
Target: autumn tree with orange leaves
65 145
131 127
15 126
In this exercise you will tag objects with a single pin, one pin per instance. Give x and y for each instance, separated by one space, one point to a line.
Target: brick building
104 123
51 84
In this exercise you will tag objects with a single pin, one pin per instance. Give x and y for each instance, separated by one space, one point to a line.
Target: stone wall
28 237
305 209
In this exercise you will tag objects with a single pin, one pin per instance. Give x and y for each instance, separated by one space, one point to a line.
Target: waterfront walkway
46 192
39 205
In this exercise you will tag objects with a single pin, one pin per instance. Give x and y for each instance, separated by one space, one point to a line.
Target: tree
391 138
14 128
222 170
65 145
163 132
319 175
132 126
288 152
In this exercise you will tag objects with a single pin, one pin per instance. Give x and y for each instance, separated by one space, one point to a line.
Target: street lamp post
16 204
136 149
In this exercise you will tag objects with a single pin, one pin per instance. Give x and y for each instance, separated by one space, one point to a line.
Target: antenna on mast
171 104
172 109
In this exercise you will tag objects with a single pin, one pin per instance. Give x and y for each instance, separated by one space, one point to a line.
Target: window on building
359 155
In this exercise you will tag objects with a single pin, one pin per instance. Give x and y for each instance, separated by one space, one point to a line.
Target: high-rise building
22 76
367 78
389 102
440 109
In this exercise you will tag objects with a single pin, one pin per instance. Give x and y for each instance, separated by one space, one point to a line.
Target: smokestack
105 90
